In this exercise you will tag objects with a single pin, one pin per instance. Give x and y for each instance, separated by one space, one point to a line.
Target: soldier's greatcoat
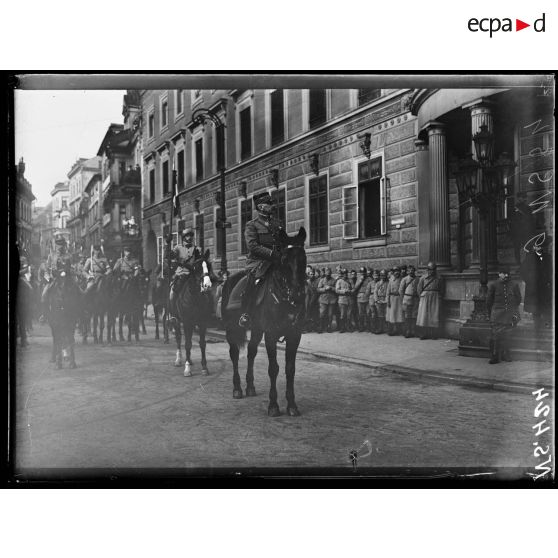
430 289
380 298
409 296
261 236
395 308
503 300
326 288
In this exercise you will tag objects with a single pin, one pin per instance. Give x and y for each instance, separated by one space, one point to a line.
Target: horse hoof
205 371
187 373
237 393
178 362
293 411
250 391
273 411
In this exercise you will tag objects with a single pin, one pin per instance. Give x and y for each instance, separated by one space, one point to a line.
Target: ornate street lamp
483 183
199 117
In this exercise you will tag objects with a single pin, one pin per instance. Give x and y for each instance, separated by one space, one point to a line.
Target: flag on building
175 201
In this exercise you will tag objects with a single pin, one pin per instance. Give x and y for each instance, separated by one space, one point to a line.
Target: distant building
41 240
24 210
60 210
78 203
120 154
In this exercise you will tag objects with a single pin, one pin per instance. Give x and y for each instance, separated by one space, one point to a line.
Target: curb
468 381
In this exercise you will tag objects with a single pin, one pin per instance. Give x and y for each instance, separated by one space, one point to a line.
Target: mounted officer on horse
182 256
262 241
60 261
95 268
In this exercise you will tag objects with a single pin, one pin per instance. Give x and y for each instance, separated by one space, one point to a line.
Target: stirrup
244 320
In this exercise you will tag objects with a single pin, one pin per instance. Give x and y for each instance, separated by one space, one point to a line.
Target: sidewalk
436 360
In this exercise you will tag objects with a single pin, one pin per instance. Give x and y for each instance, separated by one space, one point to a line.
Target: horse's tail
229 285
236 335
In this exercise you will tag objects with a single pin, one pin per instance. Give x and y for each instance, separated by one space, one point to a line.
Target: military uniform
394 306
60 261
343 290
328 301
430 289
502 301
409 301
261 238
380 303
95 267
312 308
125 266
362 301
369 296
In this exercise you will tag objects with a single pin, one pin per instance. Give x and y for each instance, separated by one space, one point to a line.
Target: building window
196 96
317 108
198 146
121 216
318 210
364 204
151 125
152 185
164 112
218 234
277 117
198 227
245 216
180 169
367 95
122 170
165 177
179 106
245 133
280 207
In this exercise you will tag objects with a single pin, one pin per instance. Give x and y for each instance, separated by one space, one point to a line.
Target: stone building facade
24 198
367 172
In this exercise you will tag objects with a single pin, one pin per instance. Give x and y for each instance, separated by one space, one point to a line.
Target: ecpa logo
494 24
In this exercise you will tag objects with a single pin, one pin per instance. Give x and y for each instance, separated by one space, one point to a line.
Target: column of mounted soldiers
394 301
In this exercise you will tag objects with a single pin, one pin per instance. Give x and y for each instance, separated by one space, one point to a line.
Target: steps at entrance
525 342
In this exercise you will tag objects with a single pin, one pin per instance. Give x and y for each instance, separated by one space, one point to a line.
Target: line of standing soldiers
377 301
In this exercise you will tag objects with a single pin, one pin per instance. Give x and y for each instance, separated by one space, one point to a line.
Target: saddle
235 298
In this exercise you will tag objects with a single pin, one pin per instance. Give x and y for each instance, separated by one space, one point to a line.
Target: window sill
316 249
368 243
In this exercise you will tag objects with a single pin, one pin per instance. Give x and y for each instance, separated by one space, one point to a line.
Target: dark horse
63 308
25 302
279 312
98 303
126 304
193 307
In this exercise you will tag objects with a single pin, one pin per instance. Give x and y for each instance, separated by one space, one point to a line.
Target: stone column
439 196
423 201
481 113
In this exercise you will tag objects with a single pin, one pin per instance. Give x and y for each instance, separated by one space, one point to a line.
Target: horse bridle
290 293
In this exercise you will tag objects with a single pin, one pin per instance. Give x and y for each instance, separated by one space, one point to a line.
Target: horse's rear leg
53 355
293 341
71 354
273 370
120 333
95 324
137 317
142 318
165 326
101 322
202 329
234 353
255 338
156 315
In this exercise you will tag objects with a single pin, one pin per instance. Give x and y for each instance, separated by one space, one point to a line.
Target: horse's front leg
255 338
234 353
178 338
273 370
188 333
165 325
142 318
292 343
71 344
156 315
135 319
202 328
101 319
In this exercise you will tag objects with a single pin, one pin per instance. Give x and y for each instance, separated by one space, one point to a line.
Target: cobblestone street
128 406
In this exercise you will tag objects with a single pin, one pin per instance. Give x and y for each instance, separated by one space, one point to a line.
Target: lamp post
200 116
483 183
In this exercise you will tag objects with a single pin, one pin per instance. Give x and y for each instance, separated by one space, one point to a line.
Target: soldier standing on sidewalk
369 294
327 300
380 301
502 302
343 289
409 300
395 309
363 280
431 291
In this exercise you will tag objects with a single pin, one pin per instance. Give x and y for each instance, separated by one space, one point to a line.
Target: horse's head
293 258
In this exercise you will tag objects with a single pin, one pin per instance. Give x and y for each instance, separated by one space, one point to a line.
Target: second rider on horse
95 267
261 235
182 255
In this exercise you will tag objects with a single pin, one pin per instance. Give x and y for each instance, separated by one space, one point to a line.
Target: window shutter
350 212
383 205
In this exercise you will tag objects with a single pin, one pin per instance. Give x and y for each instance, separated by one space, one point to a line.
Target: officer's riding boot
172 319
494 350
390 331
407 328
372 324
247 301
329 324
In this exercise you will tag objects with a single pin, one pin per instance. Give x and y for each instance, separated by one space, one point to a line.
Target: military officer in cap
261 235
95 267
182 255
502 302
126 266
60 261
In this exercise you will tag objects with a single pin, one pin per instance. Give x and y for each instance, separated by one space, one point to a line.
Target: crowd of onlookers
393 301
